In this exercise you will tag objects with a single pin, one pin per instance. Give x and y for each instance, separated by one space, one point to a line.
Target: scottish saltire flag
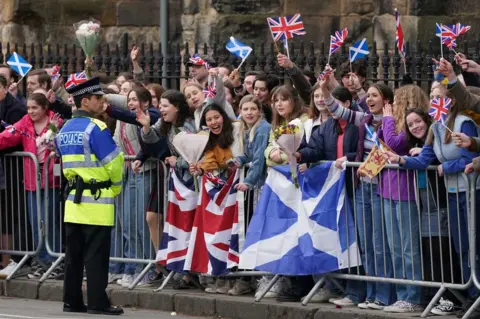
284 28
75 79
372 135
214 244
18 64
238 48
336 40
359 50
182 204
439 109
400 40
302 231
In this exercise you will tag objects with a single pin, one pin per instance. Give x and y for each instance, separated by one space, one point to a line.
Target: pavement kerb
195 302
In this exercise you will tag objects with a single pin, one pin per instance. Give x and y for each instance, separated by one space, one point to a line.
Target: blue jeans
403 233
375 253
136 193
54 211
459 232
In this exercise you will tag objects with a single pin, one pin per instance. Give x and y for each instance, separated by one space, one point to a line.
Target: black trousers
87 245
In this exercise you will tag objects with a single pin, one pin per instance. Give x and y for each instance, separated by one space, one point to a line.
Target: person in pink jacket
31 132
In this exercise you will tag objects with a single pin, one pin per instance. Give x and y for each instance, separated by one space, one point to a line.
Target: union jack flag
439 109
182 204
210 91
447 35
214 243
75 79
399 35
324 74
55 73
336 41
284 28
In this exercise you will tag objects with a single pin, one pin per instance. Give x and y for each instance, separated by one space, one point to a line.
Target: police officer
93 166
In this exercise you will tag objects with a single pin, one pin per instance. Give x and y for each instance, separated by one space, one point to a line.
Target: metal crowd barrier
136 234
20 237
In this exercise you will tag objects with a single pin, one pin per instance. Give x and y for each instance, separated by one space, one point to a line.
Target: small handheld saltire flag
214 244
75 79
182 204
359 50
336 40
18 64
372 135
303 231
238 48
439 109
400 40
284 28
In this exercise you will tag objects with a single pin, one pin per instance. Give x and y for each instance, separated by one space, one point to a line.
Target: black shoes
112 310
69 308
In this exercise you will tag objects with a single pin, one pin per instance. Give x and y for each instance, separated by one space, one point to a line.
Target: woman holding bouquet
27 132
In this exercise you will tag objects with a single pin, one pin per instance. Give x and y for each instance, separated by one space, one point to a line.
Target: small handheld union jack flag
400 40
336 40
55 73
439 109
322 76
284 28
75 79
211 90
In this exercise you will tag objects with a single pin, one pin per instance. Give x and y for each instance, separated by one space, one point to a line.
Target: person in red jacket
32 132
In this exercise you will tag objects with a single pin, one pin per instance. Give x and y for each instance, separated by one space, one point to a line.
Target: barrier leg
267 289
52 268
140 276
313 291
471 309
433 302
458 295
20 265
336 283
165 281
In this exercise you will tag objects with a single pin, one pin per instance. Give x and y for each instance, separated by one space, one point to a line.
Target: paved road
13 308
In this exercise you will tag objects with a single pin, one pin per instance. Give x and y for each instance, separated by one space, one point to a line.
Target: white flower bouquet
88 34
48 137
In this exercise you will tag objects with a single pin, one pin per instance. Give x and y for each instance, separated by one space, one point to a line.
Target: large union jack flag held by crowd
284 28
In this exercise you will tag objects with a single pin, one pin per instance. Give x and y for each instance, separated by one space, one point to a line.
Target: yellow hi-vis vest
88 151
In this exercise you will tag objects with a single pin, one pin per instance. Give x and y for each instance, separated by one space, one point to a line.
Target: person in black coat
12 213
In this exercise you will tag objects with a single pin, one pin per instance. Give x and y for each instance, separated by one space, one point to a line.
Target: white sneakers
5 272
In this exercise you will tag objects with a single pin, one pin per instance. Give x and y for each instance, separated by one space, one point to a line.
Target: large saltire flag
214 244
182 204
302 231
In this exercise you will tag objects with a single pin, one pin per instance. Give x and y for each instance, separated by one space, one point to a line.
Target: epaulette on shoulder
100 124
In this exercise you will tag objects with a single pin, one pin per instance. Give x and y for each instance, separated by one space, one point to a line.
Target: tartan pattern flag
336 40
214 243
439 109
400 40
284 28
211 91
359 50
19 64
75 79
182 204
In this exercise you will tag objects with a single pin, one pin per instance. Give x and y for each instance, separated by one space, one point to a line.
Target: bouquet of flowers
48 137
288 138
191 147
88 34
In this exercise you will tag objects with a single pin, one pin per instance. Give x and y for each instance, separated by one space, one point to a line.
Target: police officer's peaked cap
89 87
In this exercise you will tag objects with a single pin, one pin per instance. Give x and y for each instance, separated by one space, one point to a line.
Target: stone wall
50 21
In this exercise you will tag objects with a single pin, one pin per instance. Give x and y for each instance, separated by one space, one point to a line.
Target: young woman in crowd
356 83
156 90
318 113
197 101
176 117
29 132
136 191
262 90
439 146
368 204
334 140
287 107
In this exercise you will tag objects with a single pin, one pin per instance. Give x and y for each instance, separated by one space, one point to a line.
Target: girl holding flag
439 145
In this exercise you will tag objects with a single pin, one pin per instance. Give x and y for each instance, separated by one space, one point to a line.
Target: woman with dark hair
262 89
156 90
29 132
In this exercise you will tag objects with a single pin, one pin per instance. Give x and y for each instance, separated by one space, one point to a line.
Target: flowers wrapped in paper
375 161
191 147
288 138
48 137
88 35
